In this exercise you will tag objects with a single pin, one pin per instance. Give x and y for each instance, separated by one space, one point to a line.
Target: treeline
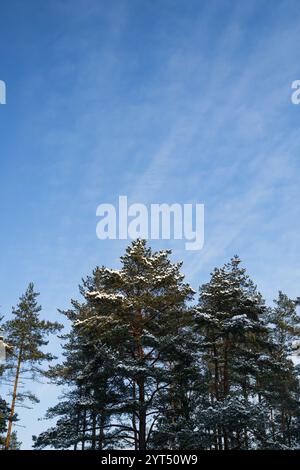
146 367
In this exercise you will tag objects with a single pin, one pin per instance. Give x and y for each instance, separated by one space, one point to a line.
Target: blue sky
162 101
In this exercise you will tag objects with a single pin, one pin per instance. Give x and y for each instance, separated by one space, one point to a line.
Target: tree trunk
225 435
283 425
246 439
83 431
77 429
101 431
216 442
134 419
225 377
142 416
216 372
288 427
94 424
272 424
13 404
220 443
141 383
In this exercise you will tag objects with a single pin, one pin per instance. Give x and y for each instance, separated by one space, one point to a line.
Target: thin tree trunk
77 429
83 431
94 424
216 372
141 383
246 439
283 423
220 443
225 389
225 377
238 439
272 424
225 435
215 432
142 416
134 419
13 404
101 431
288 423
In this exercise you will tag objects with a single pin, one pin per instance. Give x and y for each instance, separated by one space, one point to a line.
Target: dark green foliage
144 369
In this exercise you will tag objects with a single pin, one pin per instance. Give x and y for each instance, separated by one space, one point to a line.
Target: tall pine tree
26 333
136 319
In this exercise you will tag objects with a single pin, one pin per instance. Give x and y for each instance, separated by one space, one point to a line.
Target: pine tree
26 334
234 348
147 313
281 386
135 318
